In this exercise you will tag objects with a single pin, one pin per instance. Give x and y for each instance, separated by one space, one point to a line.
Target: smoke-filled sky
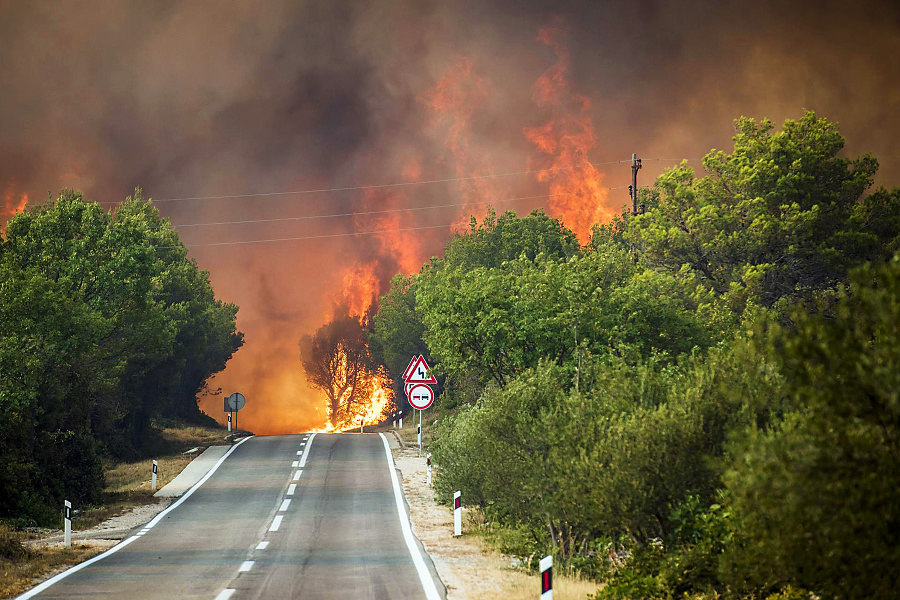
216 99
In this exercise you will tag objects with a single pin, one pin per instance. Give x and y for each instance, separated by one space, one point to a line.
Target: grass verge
470 566
21 567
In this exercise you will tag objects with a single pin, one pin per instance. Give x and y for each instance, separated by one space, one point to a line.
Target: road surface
281 517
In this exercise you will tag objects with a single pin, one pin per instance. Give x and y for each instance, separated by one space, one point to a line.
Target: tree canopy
105 324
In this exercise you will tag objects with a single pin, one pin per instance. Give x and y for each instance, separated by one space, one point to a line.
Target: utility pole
633 188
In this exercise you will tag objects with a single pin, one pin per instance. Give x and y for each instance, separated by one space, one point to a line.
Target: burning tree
337 361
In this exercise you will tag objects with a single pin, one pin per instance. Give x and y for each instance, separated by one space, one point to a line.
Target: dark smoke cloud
211 98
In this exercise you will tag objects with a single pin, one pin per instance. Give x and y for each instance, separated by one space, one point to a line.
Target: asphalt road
263 527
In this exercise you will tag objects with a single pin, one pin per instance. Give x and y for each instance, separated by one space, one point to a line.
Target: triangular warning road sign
419 372
409 367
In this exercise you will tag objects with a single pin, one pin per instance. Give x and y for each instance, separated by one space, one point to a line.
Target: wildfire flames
578 195
11 206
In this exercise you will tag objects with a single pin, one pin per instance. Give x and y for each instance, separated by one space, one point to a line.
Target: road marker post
457 514
229 422
361 421
547 578
153 477
428 470
67 525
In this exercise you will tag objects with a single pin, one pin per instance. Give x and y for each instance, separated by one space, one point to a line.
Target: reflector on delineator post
546 567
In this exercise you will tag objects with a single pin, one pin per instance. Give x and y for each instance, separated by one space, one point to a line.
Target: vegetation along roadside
701 401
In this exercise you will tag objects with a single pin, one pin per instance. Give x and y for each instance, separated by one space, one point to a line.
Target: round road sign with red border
421 396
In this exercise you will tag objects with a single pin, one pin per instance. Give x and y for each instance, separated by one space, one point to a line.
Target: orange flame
11 207
578 195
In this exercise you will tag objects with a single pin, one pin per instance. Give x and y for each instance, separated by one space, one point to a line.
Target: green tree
497 240
95 308
774 218
816 493
499 321
396 332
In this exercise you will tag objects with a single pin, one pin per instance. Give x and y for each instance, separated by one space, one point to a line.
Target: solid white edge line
57 578
37 590
430 588
306 451
225 594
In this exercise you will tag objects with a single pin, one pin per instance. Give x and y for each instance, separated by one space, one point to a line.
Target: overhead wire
371 212
318 237
384 185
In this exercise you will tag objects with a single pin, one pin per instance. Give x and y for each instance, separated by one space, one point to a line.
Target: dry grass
469 567
128 484
410 424
21 567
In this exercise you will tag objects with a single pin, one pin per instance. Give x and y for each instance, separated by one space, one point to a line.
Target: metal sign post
233 404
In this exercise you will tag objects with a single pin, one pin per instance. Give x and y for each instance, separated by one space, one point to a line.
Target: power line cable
318 237
361 213
370 212
384 185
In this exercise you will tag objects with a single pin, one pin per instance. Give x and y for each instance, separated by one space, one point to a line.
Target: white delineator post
361 425
428 470
401 420
67 525
153 478
457 514
547 578
229 422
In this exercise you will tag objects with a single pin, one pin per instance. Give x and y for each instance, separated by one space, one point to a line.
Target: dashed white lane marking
428 586
284 505
297 474
306 451
276 523
294 464
225 594
299 452
246 566
291 489
262 545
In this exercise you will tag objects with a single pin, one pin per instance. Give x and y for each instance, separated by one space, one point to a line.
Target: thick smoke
211 99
